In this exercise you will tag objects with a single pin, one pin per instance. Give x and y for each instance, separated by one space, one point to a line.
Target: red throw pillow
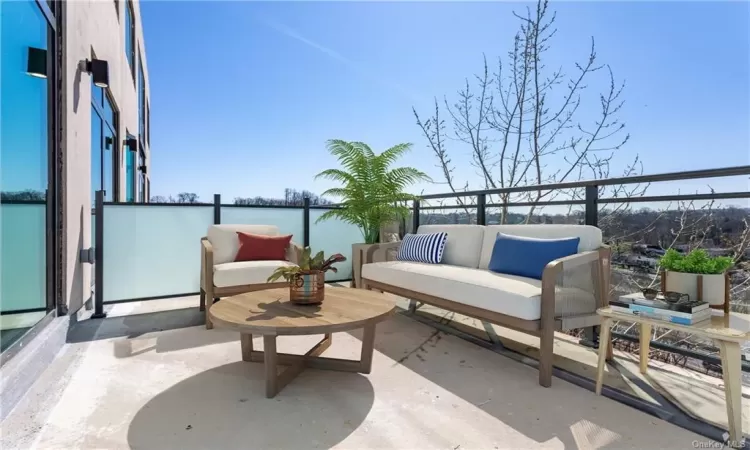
256 247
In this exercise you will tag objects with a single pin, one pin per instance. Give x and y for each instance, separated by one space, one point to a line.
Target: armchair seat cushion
511 295
245 272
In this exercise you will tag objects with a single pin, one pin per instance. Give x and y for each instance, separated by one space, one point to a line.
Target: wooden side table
728 330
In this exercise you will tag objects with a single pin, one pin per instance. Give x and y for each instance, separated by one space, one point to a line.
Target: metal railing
99 248
591 202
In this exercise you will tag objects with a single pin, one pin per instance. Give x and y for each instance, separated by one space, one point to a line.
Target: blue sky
245 94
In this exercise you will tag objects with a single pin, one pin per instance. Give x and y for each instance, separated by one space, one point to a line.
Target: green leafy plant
697 261
307 263
372 193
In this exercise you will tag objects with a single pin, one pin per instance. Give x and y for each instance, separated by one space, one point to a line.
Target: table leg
603 345
645 343
730 367
246 342
368 347
270 360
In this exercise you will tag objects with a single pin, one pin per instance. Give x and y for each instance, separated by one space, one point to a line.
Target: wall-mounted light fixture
99 70
36 66
142 169
132 144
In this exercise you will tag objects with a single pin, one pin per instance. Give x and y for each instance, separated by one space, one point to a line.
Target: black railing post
591 334
99 257
217 209
415 217
481 209
306 222
592 208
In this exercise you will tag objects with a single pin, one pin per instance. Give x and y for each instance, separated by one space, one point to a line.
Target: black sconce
142 169
36 66
132 144
108 141
99 70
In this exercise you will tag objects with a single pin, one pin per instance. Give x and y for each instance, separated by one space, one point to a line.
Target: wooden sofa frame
210 293
545 327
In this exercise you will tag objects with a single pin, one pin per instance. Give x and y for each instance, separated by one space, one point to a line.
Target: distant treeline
292 197
22 196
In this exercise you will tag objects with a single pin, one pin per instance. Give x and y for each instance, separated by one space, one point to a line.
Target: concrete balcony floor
150 376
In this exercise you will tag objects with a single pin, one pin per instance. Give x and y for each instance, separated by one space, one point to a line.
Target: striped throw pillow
426 248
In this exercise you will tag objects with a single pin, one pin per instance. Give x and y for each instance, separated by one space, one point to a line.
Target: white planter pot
714 288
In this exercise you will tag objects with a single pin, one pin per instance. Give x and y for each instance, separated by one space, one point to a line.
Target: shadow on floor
233 413
509 390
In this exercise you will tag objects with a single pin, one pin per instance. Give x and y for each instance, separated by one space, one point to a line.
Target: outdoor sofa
566 297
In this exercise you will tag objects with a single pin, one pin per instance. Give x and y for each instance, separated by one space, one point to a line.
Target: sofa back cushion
590 237
463 246
226 243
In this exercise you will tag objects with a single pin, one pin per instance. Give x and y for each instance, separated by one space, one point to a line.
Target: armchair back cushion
225 242
590 236
463 245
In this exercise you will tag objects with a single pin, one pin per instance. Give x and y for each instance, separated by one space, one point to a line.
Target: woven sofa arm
380 252
575 286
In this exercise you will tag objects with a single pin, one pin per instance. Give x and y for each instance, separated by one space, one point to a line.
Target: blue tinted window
23 110
129 176
130 35
24 149
141 102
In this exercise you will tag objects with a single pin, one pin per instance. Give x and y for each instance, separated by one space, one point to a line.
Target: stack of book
684 312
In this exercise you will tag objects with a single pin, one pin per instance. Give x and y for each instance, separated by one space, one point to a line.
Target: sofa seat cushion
505 294
245 272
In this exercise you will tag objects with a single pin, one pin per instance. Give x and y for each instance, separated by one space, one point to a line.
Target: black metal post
306 221
481 209
592 205
99 257
415 217
217 209
591 334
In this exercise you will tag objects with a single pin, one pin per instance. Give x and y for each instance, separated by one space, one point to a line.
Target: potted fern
697 274
307 279
372 192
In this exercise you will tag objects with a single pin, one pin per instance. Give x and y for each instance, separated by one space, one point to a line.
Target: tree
292 197
522 120
187 197
372 192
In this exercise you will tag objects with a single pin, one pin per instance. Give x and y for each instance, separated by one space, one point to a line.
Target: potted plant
697 274
371 192
307 279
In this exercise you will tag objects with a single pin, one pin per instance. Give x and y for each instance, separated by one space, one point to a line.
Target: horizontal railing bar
652 198
155 204
680 351
638 179
23 202
232 205
678 197
22 311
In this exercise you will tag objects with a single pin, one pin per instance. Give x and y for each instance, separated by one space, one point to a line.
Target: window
141 176
148 124
141 101
129 174
27 149
130 36
104 145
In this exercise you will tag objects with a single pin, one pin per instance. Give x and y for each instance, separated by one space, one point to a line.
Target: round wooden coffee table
269 313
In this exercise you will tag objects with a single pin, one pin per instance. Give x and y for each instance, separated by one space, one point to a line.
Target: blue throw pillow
426 248
527 257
